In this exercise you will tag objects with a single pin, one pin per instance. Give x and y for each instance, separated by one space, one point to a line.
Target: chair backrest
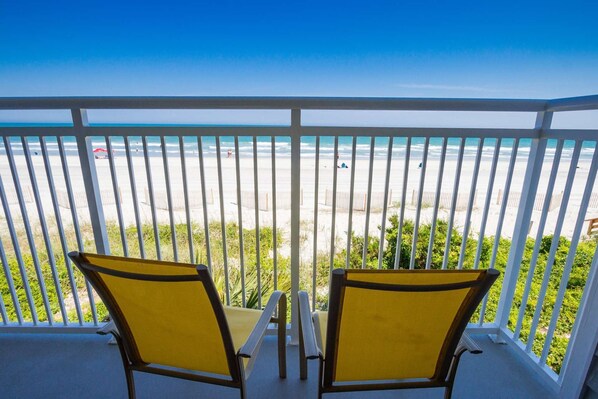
167 313
398 324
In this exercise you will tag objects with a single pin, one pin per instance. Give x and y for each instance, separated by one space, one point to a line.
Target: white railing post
524 213
90 181
295 218
584 339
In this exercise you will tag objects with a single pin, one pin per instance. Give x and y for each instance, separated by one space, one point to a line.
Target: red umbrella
100 149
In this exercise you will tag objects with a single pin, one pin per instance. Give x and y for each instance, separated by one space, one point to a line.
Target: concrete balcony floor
84 366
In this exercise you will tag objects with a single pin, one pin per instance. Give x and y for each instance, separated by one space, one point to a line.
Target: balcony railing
279 196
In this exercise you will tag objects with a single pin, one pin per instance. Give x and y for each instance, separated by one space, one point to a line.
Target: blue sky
416 48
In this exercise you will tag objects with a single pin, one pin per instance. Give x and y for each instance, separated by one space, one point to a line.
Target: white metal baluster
351 197
571 255
333 225
27 225
274 231
169 198
222 219
419 203
117 199
403 201
487 203
315 244
186 197
501 219
69 192
554 245
5 320
472 193
44 226
449 229
204 200
11 287
131 168
257 225
541 225
385 204
7 273
436 202
60 227
150 190
73 208
369 202
240 215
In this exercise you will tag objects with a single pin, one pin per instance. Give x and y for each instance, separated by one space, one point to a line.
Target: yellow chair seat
241 322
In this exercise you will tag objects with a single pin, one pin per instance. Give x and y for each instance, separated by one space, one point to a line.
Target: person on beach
229 153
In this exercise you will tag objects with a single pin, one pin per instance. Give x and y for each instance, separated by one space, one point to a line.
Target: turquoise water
282 147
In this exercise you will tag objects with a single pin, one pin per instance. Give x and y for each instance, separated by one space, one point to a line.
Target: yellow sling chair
391 329
167 319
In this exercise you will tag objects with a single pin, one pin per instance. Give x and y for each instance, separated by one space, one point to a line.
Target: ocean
282 147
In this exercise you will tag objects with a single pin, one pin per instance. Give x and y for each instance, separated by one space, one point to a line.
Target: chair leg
320 374
282 337
242 389
302 358
451 375
128 371
130 383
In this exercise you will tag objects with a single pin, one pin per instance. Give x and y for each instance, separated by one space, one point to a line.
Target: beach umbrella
100 153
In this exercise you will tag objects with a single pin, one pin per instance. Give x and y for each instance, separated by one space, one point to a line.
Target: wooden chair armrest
468 344
257 334
307 327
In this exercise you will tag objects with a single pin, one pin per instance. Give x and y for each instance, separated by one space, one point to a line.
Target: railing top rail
305 103
573 104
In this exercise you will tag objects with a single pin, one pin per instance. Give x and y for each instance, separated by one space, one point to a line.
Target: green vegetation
149 244
575 284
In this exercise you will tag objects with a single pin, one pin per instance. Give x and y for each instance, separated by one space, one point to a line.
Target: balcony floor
83 365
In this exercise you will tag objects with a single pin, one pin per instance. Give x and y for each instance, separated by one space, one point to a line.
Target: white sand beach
283 189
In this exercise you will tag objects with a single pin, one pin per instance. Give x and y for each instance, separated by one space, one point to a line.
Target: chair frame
456 343
275 312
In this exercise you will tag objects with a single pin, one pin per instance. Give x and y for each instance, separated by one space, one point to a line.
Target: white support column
584 339
524 213
295 218
90 180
